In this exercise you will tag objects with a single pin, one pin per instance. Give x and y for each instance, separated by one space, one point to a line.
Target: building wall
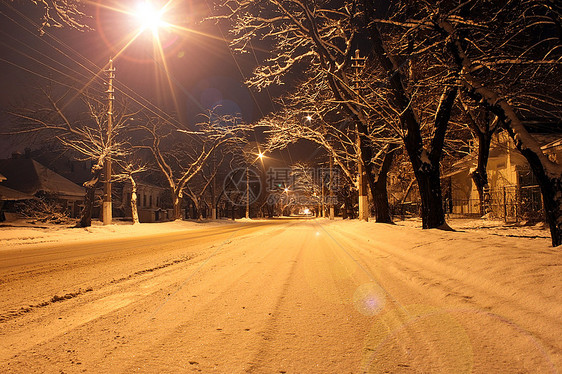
149 202
513 189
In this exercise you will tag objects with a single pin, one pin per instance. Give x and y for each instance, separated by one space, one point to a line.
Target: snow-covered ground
21 232
283 296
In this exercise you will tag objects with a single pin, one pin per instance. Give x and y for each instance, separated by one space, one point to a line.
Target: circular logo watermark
242 186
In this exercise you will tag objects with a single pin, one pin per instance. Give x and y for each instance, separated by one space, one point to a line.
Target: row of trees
429 68
186 157
377 77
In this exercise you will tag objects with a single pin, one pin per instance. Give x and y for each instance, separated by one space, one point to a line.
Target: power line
127 91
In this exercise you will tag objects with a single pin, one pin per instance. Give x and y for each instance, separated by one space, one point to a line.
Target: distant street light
260 157
287 190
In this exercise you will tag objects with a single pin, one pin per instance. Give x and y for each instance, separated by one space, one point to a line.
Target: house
62 163
29 178
151 201
9 195
513 190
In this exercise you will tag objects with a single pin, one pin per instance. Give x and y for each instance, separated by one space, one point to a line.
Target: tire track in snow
437 281
105 300
272 323
208 298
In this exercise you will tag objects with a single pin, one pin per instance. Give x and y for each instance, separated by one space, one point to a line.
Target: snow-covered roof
30 177
10 194
547 141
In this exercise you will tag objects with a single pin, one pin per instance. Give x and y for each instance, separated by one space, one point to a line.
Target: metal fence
510 203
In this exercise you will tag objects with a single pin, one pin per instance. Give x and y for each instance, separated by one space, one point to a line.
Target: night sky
202 72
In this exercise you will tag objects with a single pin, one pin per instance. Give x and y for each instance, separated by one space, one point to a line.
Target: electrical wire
127 91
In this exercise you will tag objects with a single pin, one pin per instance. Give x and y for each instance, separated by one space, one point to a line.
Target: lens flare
369 299
149 17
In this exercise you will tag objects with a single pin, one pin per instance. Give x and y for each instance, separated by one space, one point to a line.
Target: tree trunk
89 198
550 182
177 199
426 165
134 210
548 174
198 213
480 175
429 183
379 190
86 218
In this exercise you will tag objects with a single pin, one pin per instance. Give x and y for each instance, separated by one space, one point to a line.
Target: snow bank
21 233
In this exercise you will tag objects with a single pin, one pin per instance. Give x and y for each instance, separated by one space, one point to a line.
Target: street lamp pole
150 19
247 192
260 157
331 187
107 206
323 196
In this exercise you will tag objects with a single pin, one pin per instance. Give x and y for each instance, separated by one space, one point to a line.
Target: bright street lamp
149 18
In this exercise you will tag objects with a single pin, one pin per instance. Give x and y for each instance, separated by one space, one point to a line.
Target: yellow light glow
149 17
260 155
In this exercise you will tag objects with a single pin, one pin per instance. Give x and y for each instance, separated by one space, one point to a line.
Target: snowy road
294 296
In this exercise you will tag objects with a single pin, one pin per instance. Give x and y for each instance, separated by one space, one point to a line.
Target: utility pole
331 187
358 66
107 214
247 192
214 190
323 196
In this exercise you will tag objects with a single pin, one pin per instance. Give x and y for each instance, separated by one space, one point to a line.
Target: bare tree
202 188
60 13
184 160
508 58
324 36
311 112
87 135
483 128
127 173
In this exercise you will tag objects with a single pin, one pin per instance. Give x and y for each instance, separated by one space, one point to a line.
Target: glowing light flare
149 17
160 52
369 299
